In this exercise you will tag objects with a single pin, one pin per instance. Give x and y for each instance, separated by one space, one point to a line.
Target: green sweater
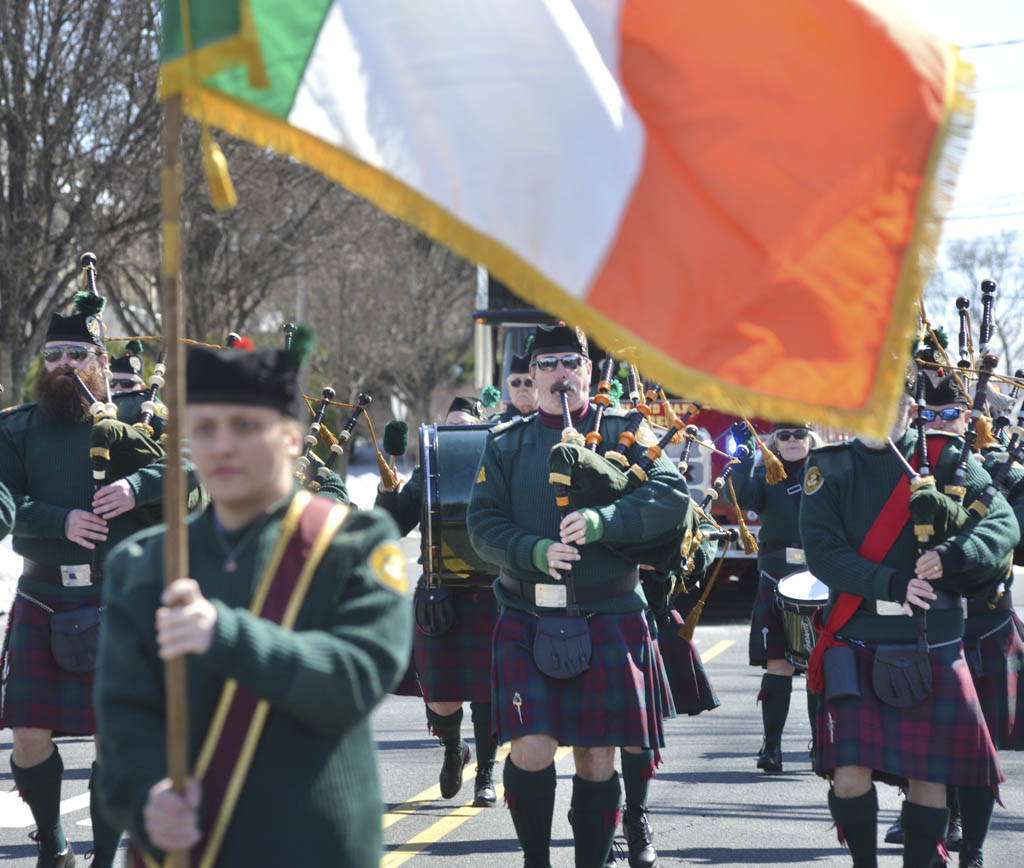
512 509
778 508
845 488
46 468
403 505
6 511
312 795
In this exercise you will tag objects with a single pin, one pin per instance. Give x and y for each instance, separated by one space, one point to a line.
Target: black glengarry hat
130 362
520 365
559 339
84 325
944 390
259 378
473 406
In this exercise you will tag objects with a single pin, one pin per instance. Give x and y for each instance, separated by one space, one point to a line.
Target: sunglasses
947 415
515 382
549 363
74 354
799 434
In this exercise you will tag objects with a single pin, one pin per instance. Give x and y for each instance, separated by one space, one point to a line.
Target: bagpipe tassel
773 469
746 537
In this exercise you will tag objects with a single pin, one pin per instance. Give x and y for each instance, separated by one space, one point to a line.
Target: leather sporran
562 647
75 637
841 677
435 611
902 674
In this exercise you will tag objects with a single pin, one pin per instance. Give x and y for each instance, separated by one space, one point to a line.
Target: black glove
953 560
898 587
741 434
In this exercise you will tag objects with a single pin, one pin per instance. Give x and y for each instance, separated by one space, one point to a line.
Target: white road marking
15 814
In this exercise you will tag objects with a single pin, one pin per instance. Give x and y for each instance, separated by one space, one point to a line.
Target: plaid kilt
692 692
995 656
943 739
456 666
410 683
615 703
767 634
36 692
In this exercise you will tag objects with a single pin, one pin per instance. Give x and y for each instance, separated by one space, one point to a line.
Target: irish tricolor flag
742 196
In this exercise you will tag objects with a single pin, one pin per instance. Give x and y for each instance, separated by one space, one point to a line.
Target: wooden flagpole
176 540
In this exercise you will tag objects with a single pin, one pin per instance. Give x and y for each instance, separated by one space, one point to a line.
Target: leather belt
945 600
528 591
770 548
981 606
56 574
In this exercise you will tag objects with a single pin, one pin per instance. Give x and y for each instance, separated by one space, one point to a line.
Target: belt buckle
794 555
549 596
888 608
75 575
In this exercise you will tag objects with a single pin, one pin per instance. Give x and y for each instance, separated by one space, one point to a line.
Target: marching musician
514 522
453 666
521 389
780 553
899 705
316 656
61 521
126 369
993 632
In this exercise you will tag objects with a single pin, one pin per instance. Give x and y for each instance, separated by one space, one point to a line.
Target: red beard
59 398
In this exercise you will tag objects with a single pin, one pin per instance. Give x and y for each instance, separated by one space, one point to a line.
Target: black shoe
615 854
456 757
770 758
484 795
954 834
50 859
894 834
971 857
93 862
639 839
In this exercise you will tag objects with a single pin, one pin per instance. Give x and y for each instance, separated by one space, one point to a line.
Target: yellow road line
436 831
716 649
431 794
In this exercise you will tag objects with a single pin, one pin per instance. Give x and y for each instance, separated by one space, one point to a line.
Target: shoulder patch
813 479
161 410
481 476
387 562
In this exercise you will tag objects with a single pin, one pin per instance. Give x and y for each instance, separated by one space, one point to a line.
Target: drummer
454 666
781 553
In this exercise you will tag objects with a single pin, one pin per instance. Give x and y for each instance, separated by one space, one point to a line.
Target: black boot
954 834
483 790
976 804
456 758
769 758
924 832
49 859
531 801
639 839
856 823
894 834
774 697
39 786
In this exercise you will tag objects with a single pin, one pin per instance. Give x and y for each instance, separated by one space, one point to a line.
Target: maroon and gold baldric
308 527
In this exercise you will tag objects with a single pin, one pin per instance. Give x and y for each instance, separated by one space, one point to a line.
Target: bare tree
78 153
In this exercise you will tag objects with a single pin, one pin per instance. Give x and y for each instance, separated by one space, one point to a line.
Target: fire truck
502 323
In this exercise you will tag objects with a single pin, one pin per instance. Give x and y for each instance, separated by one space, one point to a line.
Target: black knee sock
105 835
976 805
595 815
856 822
812 712
39 786
636 777
485 743
530 797
924 830
774 696
447 728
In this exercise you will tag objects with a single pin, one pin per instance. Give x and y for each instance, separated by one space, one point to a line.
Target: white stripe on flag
509 114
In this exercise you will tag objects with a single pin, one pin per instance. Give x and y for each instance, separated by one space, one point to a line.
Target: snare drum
449 458
798 597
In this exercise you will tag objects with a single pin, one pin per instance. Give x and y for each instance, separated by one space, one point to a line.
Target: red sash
237 724
879 539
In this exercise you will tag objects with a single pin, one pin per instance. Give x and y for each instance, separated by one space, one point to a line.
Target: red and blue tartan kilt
943 739
996 660
692 692
410 683
767 633
615 703
36 692
456 666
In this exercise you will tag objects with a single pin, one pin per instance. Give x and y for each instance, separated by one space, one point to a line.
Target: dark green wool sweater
778 508
403 505
333 487
47 469
993 459
512 508
6 511
845 487
312 795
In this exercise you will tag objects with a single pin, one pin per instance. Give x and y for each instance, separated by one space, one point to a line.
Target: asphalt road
708 804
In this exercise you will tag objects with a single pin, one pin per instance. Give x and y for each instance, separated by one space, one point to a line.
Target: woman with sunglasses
522 390
780 553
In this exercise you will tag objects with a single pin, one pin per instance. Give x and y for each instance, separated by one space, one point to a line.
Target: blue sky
990 192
